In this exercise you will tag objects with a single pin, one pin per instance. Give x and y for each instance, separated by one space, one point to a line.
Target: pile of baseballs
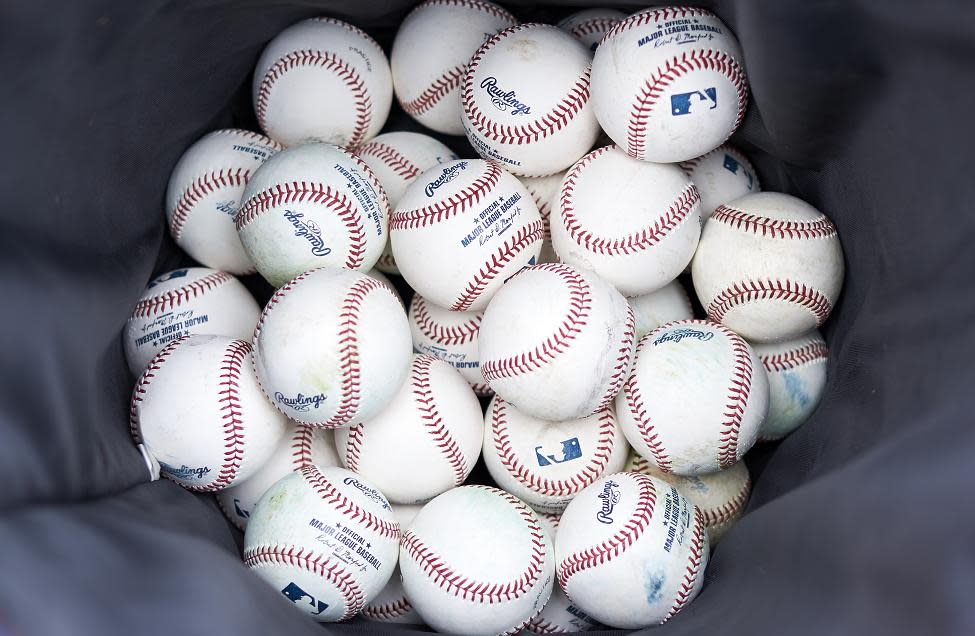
339 425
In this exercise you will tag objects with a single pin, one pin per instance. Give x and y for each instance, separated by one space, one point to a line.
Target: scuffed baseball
476 561
425 442
324 538
721 176
450 336
204 194
183 302
557 342
463 228
695 399
769 266
796 378
200 413
526 100
322 80
668 84
544 191
667 304
641 240
332 347
430 54
546 464
590 25
391 605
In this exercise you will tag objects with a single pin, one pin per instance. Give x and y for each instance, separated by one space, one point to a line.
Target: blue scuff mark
795 389
653 585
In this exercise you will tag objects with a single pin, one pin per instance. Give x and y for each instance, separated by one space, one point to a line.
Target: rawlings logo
184 471
679 334
503 101
300 402
610 496
308 230
371 493
447 175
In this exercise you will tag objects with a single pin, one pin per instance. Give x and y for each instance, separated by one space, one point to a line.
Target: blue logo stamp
184 472
295 594
371 493
243 514
686 103
447 175
731 165
504 100
570 450
309 231
173 275
300 402
228 207
610 496
679 334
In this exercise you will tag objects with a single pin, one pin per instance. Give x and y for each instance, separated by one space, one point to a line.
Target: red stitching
353 447
775 228
539 625
231 413
653 15
586 474
737 400
686 588
329 62
275 299
250 134
620 541
623 360
786 290
386 261
317 193
727 510
440 88
331 495
301 447
456 584
593 25
524 238
426 404
634 401
388 611
811 352
483 390
631 243
142 387
675 67
487 7
344 582
451 206
580 305
541 127
446 335
391 157
201 187
174 297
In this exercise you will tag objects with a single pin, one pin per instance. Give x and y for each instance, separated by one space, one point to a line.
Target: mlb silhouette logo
686 103
731 165
295 594
570 450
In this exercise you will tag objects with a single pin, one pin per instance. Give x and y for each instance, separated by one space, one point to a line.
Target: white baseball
322 80
544 191
300 446
430 54
200 413
695 399
557 342
325 539
720 496
332 347
644 238
769 266
382 278
391 605
637 536
183 302
590 25
796 378
461 229
204 194
475 561
667 304
526 100
397 159
546 464
450 336
425 442
721 176
668 84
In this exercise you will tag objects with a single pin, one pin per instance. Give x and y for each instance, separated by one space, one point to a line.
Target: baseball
668 84
639 537
450 336
526 100
556 342
430 56
769 266
695 399
461 229
667 304
475 561
332 347
322 80
325 539
544 191
204 194
721 176
644 238
184 302
198 410
430 431
590 25
391 604
796 378
720 496
546 464
397 159
301 445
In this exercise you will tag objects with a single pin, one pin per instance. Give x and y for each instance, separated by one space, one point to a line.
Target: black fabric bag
861 522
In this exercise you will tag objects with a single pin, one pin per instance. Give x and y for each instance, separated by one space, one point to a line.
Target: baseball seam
624 359
174 297
231 415
391 157
486 7
444 85
693 567
728 510
742 292
820 227
451 206
330 494
426 404
634 402
539 625
593 25
738 394
806 354
142 387
201 187
301 447
388 611
446 335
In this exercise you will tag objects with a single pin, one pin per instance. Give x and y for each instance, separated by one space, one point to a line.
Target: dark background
861 521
